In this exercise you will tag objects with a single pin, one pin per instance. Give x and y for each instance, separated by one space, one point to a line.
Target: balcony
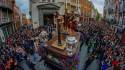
6 6
73 3
122 7
5 20
47 1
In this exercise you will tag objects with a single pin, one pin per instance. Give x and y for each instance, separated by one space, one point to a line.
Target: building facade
109 10
87 9
114 11
42 11
17 18
7 16
94 12
6 19
122 11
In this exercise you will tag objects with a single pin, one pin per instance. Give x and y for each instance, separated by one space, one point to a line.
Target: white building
109 10
42 11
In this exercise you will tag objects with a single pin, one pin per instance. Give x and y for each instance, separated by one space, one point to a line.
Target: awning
49 6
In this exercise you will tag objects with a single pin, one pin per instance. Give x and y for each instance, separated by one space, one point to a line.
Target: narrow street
84 57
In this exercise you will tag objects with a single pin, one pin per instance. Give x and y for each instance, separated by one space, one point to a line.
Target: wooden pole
59 36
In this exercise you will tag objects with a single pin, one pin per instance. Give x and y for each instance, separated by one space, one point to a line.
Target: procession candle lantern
71 43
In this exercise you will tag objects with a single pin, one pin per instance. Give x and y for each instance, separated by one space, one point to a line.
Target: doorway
48 19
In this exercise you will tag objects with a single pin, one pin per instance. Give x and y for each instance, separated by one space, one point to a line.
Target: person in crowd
81 39
89 61
104 42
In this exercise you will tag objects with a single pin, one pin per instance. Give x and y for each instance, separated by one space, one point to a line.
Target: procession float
62 51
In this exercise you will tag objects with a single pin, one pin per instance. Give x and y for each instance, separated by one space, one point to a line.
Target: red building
7 18
17 17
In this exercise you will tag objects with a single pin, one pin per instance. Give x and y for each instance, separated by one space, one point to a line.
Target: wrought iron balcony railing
5 5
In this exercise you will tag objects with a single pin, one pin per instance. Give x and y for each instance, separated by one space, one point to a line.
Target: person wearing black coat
89 61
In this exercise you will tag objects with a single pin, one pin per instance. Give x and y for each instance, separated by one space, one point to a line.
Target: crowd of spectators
18 47
104 45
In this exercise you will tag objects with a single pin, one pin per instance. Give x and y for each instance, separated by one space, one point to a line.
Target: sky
99 4
24 5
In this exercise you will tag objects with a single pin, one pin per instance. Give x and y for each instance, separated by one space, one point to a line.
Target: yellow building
86 7
71 5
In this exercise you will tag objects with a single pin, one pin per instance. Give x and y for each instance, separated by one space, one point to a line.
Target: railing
6 4
55 1
48 1
5 20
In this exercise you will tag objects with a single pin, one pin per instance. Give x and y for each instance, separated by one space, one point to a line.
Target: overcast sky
24 5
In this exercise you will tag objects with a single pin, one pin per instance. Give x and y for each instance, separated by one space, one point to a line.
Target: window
4 32
0 16
123 20
1 35
123 5
0 40
49 1
53 0
43 0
